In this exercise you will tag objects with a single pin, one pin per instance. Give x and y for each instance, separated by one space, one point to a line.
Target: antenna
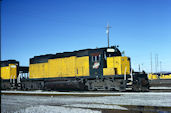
107 32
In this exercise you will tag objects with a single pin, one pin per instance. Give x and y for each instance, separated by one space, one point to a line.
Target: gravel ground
82 104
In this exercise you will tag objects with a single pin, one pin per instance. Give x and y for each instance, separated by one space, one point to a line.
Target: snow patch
160 87
55 109
98 106
87 93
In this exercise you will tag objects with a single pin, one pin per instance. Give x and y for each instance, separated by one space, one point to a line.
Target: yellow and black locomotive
88 69
9 74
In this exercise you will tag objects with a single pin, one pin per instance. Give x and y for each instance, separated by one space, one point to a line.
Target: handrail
125 73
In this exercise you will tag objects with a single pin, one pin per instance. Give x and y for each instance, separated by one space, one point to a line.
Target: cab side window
96 58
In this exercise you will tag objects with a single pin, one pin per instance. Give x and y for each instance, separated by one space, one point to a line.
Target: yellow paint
125 65
165 76
9 72
82 66
55 67
108 71
39 70
152 76
117 65
110 62
161 76
61 67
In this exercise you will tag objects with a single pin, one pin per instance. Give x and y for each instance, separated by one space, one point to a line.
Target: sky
36 27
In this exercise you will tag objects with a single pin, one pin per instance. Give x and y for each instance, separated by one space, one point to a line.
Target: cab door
96 65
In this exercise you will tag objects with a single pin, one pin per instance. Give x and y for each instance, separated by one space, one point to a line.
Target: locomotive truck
88 69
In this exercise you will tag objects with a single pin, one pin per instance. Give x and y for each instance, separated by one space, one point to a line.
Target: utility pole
107 31
142 67
160 66
151 64
157 64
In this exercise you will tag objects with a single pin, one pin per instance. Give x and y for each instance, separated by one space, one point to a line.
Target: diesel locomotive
89 69
162 79
10 74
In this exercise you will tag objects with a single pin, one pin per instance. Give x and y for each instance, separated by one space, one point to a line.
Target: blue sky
37 27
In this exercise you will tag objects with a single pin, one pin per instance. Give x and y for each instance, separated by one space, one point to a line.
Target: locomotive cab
9 74
115 63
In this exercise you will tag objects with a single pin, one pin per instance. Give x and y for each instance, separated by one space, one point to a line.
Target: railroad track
160 89
85 94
